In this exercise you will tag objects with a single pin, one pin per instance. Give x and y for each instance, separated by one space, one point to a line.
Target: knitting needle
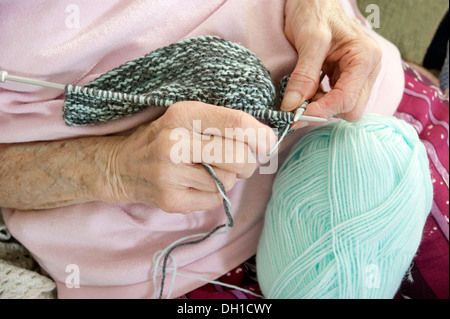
298 116
4 76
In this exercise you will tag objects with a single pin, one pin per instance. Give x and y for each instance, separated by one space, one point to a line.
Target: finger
357 111
354 109
191 147
344 95
301 124
304 80
197 177
185 201
229 123
227 154
320 93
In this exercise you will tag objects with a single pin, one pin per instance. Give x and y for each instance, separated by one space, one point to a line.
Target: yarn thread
182 242
347 212
185 240
208 69
219 72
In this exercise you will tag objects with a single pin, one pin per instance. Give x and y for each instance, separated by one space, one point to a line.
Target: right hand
141 169
327 39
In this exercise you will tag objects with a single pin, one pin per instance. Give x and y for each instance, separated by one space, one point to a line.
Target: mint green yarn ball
347 212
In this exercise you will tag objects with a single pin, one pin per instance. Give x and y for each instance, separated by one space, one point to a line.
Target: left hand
326 39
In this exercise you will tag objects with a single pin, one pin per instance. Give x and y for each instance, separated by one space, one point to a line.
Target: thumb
304 80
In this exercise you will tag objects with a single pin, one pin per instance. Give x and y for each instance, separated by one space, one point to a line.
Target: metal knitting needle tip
298 116
306 118
300 111
4 76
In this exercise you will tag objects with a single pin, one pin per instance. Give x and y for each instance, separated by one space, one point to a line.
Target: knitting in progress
374 219
340 201
206 69
347 212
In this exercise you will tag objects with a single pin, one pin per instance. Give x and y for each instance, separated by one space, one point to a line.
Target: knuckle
342 102
348 105
176 107
371 53
168 202
228 181
162 146
239 165
176 111
248 171
303 74
172 112
237 118
316 31
353 117
321 34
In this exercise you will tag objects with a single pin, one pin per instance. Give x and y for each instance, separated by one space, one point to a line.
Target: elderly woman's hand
157 165
149 169
326 39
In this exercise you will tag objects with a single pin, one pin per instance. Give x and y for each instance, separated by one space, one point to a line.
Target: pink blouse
112 246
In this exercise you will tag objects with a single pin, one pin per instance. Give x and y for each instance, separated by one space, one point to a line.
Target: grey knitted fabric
206 69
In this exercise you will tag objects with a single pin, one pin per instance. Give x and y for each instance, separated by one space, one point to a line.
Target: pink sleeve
113 245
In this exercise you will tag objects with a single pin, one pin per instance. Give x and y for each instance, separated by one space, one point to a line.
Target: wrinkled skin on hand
329 41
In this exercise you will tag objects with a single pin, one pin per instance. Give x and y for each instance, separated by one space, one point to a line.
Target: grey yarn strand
229 223
206 69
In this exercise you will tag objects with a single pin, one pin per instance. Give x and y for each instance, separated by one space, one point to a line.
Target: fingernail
291 101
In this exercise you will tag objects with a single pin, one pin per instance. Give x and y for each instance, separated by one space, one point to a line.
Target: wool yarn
208 69
347 212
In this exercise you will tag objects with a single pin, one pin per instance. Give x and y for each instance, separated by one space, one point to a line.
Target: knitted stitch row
208 69
205 69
